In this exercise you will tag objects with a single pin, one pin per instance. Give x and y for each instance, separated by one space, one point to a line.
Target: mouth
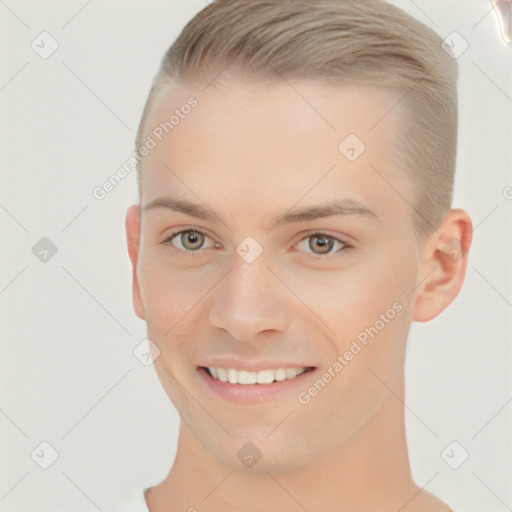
246 387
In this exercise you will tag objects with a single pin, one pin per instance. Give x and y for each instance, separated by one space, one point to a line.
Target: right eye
188 240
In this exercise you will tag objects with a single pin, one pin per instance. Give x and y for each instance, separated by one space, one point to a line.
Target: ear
132 225
443 259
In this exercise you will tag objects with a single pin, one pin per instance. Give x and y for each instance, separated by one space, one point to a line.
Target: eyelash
317 234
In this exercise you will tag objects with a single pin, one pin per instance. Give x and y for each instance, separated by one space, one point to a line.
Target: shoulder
424 501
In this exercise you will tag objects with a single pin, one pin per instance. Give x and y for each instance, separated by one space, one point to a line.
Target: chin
258 455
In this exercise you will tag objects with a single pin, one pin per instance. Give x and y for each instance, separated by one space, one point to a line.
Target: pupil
323 243
191 239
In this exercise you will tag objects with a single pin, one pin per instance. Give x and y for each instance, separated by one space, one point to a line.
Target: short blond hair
367 41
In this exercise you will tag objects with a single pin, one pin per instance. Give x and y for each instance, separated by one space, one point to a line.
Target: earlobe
443 266
132 225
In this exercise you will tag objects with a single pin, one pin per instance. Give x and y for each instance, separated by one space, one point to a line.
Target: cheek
385 277
370 304
170 293
164 291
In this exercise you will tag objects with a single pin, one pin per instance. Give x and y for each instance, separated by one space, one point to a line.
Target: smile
255 377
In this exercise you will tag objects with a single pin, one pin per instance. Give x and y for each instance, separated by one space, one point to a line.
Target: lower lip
250 394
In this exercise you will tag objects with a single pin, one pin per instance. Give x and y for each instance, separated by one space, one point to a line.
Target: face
266 249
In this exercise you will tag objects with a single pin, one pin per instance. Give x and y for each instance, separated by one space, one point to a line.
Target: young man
296 175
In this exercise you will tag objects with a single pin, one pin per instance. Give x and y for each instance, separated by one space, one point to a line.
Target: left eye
192 240
323 243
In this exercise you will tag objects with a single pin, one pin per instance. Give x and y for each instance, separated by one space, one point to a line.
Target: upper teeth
260 377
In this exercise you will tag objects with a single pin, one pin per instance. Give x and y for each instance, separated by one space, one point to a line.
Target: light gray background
68 375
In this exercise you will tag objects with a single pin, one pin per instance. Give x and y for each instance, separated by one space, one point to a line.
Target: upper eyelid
186 230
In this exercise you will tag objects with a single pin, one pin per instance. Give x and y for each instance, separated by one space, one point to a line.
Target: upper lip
253 366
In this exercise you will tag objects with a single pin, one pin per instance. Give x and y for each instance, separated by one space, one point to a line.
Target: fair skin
250 152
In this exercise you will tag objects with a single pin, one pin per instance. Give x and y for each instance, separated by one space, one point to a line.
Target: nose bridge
249 300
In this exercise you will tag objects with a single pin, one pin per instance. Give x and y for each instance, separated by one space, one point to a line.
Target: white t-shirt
135 503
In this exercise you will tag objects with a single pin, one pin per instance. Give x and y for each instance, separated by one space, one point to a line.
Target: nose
250 300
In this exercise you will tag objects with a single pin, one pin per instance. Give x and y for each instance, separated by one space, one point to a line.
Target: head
318 146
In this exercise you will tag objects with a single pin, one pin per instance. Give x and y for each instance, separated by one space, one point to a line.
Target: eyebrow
280 218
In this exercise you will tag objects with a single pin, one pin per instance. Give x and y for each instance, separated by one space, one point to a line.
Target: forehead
272 142
312 110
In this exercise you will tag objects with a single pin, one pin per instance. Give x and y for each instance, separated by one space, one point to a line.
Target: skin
248 151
